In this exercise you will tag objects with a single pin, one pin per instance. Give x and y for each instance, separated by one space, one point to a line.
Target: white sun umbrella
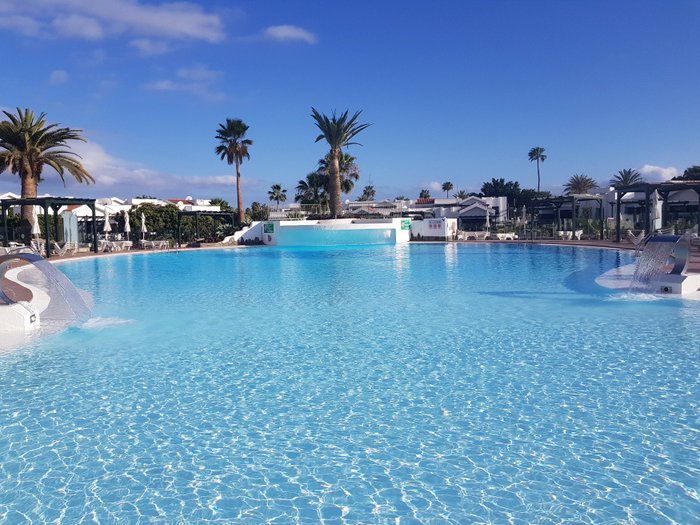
127 225
654 209
524 216
107 227
35 223
488 219
144 231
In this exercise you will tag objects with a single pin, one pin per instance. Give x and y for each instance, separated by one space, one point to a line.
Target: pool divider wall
336 232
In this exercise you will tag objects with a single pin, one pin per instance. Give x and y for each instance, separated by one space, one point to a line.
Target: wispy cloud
289 33
147 47
95 20
78 26
119 177
58 76
657 173
197 80
24 25
435 186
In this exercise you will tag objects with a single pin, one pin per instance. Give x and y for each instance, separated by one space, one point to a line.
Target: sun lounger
68 248
477 236
577 234
510 236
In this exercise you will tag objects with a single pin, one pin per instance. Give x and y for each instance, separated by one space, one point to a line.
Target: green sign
269 227
405 224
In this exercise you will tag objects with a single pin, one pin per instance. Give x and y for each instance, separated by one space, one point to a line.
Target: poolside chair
577 234
637 240
68 248
38 247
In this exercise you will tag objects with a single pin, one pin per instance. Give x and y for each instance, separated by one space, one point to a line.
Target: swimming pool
402 384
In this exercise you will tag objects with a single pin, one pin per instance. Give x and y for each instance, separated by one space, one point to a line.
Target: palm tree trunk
538 176
239 195
334 175
29 189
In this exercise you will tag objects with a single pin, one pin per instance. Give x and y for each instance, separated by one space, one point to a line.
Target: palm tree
447 188
221 203
349 171
27 144
537 154
338 131
277 194
579 183
626 177
368 193
424 194
461 195
312 189
234 148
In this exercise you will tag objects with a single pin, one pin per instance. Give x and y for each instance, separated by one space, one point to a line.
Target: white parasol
107 227
524 216
127 224
35 223
654 209
488 220
144 231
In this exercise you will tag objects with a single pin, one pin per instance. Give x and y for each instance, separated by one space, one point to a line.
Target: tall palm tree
28 144
277 194
626 177
349 171
312 189
537 154
234 148
338 131
579 183
461 195
447 188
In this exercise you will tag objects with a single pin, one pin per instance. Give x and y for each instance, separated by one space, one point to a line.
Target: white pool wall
336 232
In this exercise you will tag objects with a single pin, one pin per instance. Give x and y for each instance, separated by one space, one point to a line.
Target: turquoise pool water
413 384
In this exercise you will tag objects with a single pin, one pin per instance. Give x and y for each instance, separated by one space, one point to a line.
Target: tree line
28 144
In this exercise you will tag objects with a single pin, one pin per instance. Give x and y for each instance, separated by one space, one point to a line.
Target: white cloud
198 73
217 180
58 76
78 26
24 25
435 186
116 176
162 85
286 33
197 80
100 19
657 173
147 47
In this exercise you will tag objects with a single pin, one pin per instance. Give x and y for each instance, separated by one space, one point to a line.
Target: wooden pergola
664 189
53 203
197 215
558 202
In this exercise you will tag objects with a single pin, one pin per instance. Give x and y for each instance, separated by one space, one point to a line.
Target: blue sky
454 90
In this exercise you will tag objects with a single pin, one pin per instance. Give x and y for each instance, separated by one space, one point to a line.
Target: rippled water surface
415 384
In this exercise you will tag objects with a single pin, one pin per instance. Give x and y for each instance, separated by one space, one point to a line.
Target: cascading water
652 263
66 304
